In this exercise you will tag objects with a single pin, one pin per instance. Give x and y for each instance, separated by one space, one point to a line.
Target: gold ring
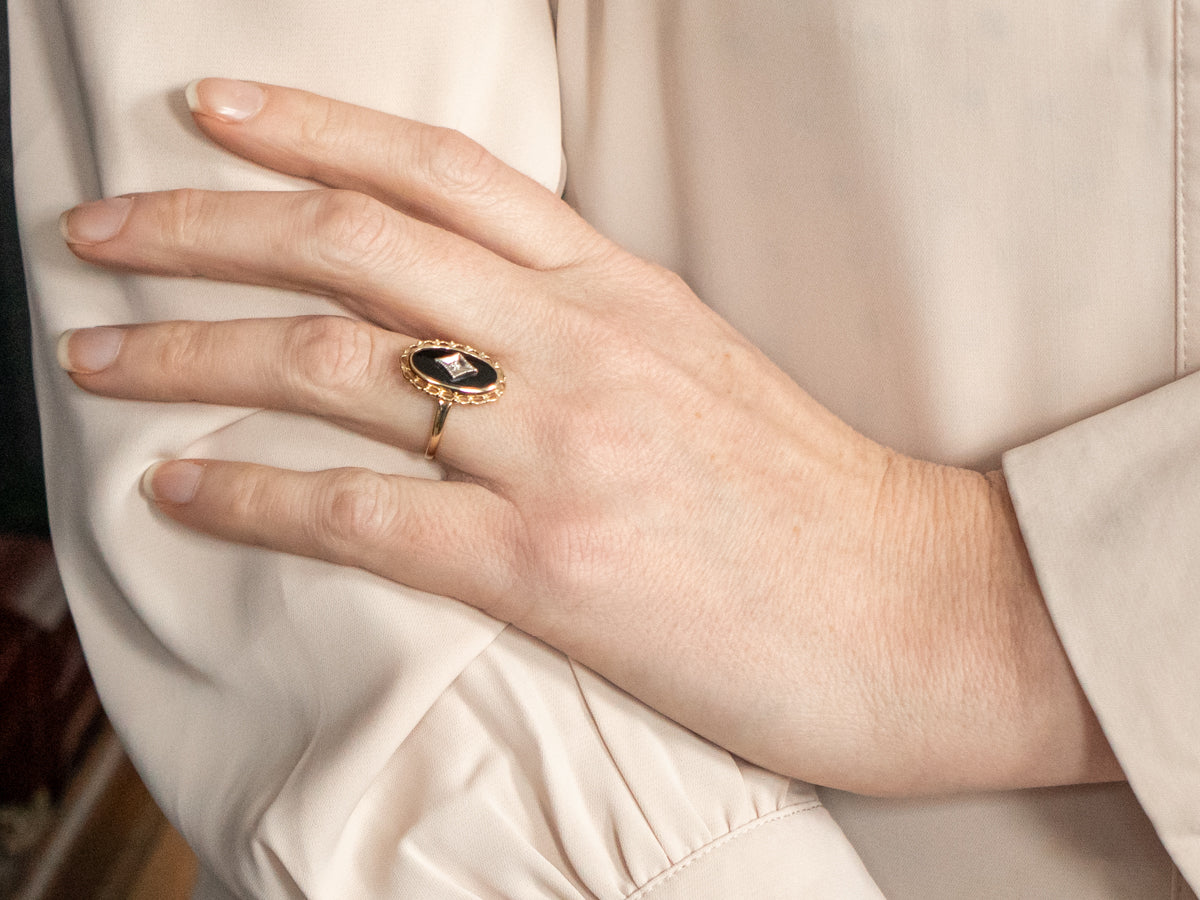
450 373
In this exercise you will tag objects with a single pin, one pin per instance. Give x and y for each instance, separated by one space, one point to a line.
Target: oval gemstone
455 369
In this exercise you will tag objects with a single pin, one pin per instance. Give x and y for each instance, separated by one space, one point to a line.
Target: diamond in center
456 366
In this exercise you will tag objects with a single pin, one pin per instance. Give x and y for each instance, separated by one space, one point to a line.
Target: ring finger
338 368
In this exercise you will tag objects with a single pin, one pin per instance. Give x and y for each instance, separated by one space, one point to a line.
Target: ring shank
439 423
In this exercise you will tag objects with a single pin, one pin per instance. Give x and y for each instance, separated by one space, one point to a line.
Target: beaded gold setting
452 374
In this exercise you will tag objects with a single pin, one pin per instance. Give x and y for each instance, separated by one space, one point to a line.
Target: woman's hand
650 495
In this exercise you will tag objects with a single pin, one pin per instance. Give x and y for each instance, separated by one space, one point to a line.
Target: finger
337 368
442 537
382 264
436 174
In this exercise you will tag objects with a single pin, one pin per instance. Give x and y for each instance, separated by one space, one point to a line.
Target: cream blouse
962 227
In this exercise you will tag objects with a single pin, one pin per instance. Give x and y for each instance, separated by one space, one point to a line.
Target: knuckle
250 498
182 348
669 286
662 290
353 232
324 125
332 357
456 164
184 216
630 282
357 513
574 558
594 435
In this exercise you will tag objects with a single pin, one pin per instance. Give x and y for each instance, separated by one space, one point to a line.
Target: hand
650 495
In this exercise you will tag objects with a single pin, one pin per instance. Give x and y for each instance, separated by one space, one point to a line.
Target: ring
451 373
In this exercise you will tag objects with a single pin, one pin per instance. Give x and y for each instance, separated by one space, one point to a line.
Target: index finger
436 174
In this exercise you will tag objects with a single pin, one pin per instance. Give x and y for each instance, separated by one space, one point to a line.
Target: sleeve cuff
1110 511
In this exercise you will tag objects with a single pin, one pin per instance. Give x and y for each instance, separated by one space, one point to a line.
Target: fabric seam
663 877
1181 197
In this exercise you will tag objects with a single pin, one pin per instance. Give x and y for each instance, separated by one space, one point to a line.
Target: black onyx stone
450 368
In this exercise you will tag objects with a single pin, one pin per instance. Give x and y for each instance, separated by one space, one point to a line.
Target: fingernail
174 481
92 223
87 350
225 99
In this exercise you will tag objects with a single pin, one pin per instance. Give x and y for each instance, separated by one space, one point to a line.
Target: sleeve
315 731
1108 509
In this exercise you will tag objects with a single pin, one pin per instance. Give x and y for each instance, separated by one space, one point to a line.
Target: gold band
439 422
451 373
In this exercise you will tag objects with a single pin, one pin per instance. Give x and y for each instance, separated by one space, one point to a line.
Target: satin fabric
961 227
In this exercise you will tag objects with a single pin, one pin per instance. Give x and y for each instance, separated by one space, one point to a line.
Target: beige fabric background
962 227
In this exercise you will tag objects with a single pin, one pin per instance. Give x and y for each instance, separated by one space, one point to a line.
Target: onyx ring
452 374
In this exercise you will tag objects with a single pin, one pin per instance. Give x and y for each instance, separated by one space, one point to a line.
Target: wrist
1063 743
988 696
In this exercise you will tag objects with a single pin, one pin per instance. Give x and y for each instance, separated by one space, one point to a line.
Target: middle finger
397 271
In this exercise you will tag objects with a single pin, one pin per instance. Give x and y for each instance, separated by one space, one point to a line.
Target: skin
706 536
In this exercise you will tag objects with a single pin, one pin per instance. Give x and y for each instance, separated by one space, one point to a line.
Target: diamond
456 366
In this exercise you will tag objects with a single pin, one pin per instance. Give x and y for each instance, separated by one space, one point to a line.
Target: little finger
409 530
